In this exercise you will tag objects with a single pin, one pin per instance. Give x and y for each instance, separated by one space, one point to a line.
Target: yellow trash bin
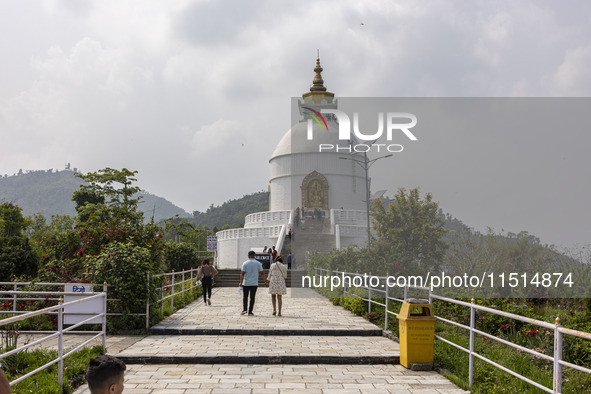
417 334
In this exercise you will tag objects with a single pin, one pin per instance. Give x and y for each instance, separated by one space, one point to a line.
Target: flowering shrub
124 267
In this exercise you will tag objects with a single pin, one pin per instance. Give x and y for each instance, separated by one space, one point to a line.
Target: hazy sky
196 94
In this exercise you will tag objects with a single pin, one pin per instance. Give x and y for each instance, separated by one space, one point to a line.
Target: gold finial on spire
318 83
318 93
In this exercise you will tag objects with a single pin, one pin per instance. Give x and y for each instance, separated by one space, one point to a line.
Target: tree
12 221
107 214
87 201
410 231
104 184
180 256
56 243
118 219
17 257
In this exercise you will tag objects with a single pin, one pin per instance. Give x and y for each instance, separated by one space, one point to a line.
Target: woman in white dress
277 288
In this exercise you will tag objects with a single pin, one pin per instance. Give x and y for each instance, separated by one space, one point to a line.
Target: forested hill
232 213
50 193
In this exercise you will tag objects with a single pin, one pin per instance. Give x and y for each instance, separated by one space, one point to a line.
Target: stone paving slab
300 316
115 343
200 349
279 379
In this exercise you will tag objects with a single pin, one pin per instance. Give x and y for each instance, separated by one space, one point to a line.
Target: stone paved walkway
256 345
312 312
231 363
280 379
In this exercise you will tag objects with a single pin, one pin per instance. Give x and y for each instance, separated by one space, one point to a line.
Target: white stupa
320 196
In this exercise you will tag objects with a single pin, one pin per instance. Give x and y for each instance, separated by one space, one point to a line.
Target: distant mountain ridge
50 193
232 212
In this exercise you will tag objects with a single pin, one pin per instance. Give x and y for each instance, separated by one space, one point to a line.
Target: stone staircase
313 236
231 278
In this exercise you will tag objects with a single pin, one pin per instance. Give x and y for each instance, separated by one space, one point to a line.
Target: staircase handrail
281 238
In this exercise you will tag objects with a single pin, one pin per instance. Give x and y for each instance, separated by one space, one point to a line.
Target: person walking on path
289 258
274 253
277 288
249 282
205 274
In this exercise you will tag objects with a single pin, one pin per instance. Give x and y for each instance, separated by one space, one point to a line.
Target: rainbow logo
315 115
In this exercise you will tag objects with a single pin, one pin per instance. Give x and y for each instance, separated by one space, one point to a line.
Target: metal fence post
386 311
405 293
191 288
104 327
183 284
60 343
14 298
148 302
172 295
105 290
471 357
557 357
369 301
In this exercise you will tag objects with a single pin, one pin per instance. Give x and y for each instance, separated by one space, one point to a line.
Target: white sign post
76 313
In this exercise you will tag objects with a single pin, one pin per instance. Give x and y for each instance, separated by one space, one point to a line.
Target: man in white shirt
249 281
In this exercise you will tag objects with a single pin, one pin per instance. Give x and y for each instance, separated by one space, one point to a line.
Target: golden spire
318 83
318 93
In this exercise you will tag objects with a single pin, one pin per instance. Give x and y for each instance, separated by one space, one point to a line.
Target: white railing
347 230
559 331
59 309
282 233
188 276
264 217
256 232
17 295
346 216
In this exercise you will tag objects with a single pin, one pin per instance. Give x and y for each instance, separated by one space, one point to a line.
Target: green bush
124 267
180 256
355 305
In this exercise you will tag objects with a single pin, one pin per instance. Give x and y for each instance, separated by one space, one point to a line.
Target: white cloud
211 139
572 78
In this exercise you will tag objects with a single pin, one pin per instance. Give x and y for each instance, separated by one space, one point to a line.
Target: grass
46 381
